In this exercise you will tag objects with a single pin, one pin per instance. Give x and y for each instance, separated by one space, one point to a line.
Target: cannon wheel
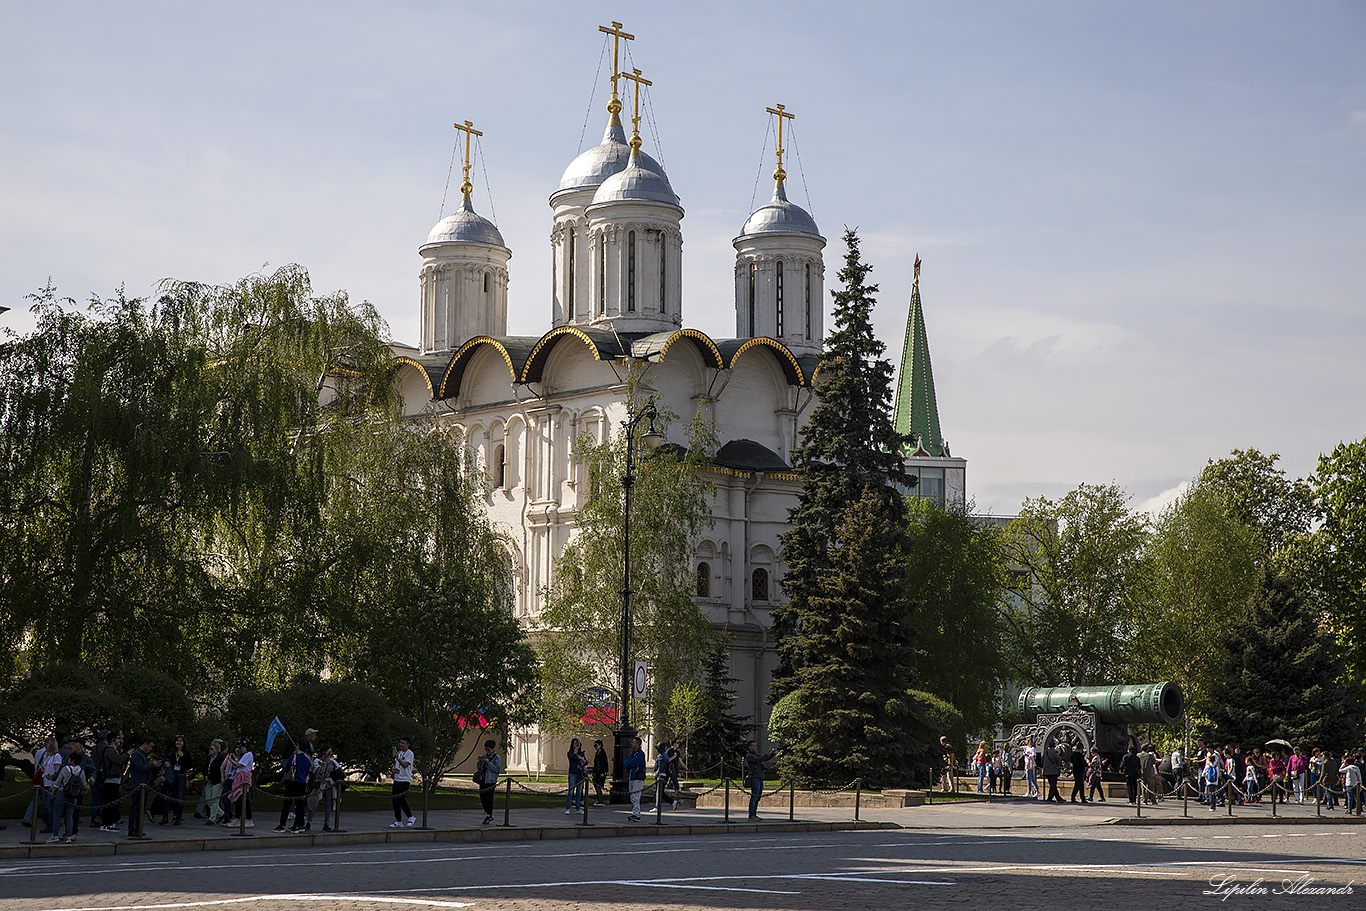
1068 733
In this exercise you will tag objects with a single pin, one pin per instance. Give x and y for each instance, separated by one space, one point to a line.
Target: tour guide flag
275 728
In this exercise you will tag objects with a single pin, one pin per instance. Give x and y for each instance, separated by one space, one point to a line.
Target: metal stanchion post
1228 797
929 792
336 806
142 808
659 804
791 801
1138 800
858 796
507 805
585 808
1185 798
725 787
1274 789
1318 799
33 822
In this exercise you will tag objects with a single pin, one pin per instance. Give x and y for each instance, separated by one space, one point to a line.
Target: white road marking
338 896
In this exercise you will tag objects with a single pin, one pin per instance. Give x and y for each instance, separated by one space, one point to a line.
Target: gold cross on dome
780 175
468 129
639 80
614 106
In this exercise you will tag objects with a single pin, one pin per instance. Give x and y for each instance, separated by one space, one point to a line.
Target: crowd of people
154 782
1293 773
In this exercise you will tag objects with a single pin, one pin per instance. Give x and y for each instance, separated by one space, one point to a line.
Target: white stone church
521 402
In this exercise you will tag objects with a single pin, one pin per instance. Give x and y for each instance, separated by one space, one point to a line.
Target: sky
1143 225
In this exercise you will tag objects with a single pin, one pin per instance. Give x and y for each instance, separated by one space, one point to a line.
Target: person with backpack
661 772
295 774
67 789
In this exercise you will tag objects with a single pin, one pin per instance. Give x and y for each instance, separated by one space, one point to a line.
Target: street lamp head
652 439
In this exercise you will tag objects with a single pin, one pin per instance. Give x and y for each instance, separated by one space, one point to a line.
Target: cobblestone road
1063 868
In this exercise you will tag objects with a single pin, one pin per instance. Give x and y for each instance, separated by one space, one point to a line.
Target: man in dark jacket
141 770
1078 760
1132 768
754 776
111 763
600 766
1050 764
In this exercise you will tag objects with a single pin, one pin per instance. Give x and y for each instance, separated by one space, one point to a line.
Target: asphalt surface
1062 866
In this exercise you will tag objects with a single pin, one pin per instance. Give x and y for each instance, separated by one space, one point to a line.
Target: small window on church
570 295
704 580
631 272
780 300
663 270
808 302
759 585
602 275
488 282
751 300
499 467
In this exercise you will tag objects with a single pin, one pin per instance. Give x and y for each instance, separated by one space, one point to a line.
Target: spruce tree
1284 677
855 720
723 735
848 454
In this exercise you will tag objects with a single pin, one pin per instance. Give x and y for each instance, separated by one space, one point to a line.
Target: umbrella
1279 743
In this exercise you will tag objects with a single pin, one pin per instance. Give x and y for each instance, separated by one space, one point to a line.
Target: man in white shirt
403 779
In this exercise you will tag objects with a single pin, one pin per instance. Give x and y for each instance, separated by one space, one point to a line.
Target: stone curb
413 836
1225 820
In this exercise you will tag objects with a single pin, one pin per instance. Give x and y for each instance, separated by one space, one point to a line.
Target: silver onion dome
597 164
638 182
465 226
779 216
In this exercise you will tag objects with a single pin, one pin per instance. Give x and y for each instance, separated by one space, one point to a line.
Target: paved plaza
1025 853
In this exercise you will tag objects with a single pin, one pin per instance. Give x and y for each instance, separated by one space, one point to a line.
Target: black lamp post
625 733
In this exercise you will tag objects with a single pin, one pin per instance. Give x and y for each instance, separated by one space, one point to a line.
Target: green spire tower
917 413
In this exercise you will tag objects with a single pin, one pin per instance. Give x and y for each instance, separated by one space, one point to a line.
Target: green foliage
856 719
783 730
1260 496
579 631
955 576
1281 675
1200 568
1073 610
849 445
722 734
940 718
1340 483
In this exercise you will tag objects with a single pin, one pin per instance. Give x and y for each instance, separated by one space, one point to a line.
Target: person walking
486 776
1132 767
577 798
403 780
635 776
1077 759
754 775
67 789
947 756
980 763
1050 764
600 767
675 756
1095 790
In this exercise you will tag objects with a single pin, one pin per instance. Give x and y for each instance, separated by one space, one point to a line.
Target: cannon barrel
1142 703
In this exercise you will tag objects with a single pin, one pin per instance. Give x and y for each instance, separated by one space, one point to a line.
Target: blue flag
276 727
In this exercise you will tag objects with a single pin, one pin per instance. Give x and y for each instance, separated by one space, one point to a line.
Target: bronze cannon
1095 717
